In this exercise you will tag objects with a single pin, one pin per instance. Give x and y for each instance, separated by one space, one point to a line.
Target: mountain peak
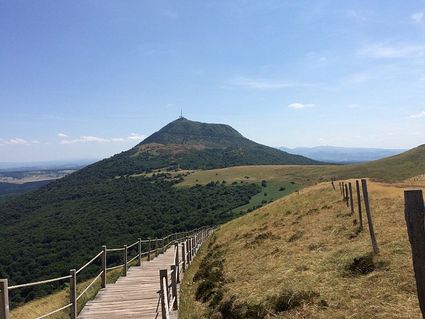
184 131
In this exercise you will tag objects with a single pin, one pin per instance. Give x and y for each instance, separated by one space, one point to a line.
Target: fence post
189 250
139 263
369 216
156 247
351 198
125 260
184 256
359 204
149 249
346 194
177 262
333 185
174 286
104 266
73 294
342 191
4 299
414 214
164 292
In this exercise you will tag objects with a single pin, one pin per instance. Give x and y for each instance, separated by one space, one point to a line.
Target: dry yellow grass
305 243
42 306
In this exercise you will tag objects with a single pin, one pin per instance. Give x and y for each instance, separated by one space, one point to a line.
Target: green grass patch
271 192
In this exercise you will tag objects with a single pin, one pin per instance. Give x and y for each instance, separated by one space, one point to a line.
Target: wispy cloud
381 51
136 137
86 139
62 135
299 106
417 116
267 84
97 139
16 141
418 17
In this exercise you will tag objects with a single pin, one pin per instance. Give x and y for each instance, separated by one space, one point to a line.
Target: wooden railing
170 278
154 248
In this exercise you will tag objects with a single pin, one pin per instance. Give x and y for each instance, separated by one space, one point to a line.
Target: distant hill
334 154
188 144
45 165
395 168
9 189
194 145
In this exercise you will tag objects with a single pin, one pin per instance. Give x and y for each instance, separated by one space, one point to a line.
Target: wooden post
369 216
346 194
4 299
164 291
351 198
333 185
149 249
73 294
139 263
177 261
359 204
189 250
174 286
156 247
104 266
414 212
125 260
184 256
340 188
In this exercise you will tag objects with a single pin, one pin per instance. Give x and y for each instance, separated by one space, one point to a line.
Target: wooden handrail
89 262
54 311
90 285
168 292
166 241
39 282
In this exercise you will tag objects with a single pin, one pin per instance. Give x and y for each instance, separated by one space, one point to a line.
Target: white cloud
86 139
97 139
381 51
267 84
418 17
17 141
135 136
299 106
62 135
35 142
417 116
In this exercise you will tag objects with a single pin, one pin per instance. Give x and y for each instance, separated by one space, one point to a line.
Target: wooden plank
133 296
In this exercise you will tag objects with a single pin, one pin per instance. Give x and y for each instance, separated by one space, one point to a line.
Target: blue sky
87 79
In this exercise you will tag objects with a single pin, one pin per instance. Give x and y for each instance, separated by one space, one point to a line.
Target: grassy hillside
395 168
302 257
392 169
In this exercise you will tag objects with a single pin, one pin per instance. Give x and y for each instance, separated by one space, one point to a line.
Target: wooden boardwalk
133 296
